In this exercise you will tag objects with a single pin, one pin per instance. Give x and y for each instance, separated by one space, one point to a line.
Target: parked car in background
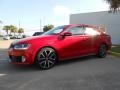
1 37
25 36
37 33
60 43
6 37
10 36
13 37
19 36
16 36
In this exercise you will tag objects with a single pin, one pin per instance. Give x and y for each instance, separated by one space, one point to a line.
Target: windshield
55 30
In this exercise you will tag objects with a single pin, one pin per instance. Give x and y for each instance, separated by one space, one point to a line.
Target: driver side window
77 30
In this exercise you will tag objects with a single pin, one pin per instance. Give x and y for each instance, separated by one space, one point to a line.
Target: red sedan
60 43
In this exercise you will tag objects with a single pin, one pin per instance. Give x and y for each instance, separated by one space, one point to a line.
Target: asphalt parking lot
88 73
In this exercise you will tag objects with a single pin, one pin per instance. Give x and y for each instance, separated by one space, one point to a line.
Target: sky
29 13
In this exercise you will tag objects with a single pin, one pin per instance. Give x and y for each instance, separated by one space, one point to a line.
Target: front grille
15 58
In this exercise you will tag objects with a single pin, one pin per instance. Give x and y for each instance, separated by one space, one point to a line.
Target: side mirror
63 35
66 34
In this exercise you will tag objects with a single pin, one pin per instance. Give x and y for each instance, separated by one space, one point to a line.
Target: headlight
21 46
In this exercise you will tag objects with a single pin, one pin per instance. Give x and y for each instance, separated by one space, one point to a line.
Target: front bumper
20 56
17 59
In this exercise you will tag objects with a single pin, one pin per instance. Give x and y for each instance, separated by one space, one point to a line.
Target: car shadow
76 60
6 67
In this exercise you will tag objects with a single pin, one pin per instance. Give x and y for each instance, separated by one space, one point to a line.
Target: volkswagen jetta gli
60 43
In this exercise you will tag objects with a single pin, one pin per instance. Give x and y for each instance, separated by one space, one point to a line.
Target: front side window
77 30
55 30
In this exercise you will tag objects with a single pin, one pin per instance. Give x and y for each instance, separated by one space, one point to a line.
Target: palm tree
13 29
21 30
47 27
7 28
114 5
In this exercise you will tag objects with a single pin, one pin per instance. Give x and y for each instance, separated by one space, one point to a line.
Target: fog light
23 58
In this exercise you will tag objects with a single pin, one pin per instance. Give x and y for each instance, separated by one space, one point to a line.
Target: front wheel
46 58
102 52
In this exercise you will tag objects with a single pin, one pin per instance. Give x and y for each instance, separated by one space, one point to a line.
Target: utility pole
40 25
19 25
0 26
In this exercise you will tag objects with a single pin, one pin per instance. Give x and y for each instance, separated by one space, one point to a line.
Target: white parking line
2 75
3 59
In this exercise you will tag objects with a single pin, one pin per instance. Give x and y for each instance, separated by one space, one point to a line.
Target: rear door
91 39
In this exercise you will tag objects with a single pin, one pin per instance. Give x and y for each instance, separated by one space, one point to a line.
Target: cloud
61 10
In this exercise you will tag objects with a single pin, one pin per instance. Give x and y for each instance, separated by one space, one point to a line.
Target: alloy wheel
46 58
102 51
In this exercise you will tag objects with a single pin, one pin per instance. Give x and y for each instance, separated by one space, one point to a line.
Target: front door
72 46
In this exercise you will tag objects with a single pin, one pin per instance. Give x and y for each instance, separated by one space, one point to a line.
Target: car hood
41 38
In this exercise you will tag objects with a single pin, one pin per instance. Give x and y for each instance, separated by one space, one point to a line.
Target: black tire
102 52
46 58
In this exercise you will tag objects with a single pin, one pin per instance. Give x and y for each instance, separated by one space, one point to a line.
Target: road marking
3 59
2 75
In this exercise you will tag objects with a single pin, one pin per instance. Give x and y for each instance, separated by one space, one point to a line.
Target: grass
115 50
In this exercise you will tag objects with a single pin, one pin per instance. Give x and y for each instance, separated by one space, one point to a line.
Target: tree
47 27
114 5
21 30
13 29
7 28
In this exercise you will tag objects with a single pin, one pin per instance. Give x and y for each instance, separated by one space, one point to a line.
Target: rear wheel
102 51
46 58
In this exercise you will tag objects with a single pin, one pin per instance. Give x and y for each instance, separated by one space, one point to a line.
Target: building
111 21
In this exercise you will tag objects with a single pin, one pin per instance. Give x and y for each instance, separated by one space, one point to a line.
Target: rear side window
91 31
77 30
